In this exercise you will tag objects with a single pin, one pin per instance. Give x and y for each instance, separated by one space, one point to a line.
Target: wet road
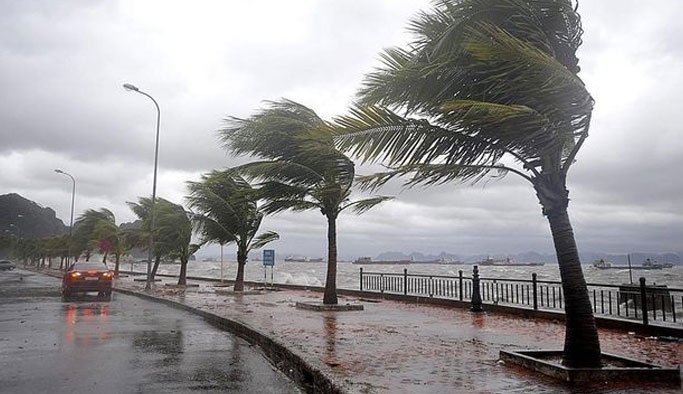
128 345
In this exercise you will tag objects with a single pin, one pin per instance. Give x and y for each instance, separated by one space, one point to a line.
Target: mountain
637 258
26 219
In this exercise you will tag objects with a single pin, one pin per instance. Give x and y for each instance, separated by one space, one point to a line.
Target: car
6 265
83 277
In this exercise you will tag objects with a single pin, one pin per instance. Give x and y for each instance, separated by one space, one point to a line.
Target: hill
26 219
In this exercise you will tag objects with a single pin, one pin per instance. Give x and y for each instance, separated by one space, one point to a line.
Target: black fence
639 301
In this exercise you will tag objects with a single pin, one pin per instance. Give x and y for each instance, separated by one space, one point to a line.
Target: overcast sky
62 65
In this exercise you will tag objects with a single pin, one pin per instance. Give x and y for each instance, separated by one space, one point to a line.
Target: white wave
298 279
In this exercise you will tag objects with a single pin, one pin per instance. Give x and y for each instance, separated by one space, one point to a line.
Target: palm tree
142 210
24 250
488 87
86 224
114 239
172 232
301 170
226 212
54 246
8 244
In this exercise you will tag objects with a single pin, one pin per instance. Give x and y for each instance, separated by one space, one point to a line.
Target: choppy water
313 274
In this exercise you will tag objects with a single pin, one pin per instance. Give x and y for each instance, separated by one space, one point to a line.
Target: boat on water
648 264
370 261
508 262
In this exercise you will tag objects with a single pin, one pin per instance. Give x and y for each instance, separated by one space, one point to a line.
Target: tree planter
319 306
176 286
615 368
238 293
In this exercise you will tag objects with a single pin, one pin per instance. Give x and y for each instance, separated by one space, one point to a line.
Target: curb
310 378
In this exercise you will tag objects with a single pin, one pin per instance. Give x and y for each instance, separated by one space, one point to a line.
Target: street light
71 222
133 88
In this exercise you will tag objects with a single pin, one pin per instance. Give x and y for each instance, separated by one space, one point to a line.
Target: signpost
268 261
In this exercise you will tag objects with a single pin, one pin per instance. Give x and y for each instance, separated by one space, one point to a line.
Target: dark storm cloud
62 65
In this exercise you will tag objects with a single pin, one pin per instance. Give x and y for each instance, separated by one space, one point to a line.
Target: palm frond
280 171
375 133
263 239
277 206
361 206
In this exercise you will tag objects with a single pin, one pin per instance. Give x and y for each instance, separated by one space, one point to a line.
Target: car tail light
107 274
75 275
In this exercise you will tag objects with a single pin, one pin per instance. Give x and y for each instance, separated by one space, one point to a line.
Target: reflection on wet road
127 345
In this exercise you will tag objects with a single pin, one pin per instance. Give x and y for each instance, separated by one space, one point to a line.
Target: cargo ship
506 263
647 265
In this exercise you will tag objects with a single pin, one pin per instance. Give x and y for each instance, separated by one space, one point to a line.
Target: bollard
476 296
643 301
361 279
460 283
534 286
405 281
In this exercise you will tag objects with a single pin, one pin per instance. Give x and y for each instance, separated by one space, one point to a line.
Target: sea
313 273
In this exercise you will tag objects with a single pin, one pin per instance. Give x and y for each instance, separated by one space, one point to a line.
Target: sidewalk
394 347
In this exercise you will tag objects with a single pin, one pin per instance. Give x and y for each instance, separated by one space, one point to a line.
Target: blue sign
268 257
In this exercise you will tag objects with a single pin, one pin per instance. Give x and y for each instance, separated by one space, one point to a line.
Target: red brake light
107 274
75 274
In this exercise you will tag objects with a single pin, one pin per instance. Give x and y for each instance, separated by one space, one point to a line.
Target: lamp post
133 88
71 221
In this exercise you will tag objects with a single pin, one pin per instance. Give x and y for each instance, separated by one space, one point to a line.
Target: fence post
460 284
361 279
534 287
476 297
405 281
643 301
381 283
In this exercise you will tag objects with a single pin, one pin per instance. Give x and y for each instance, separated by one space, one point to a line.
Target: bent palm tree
86 234
114 239
489 87
142 210
302 169
174 231
226 212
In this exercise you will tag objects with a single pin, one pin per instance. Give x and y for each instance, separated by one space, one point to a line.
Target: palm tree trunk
581 343
116 265
241 261
182 278
157 260
330 296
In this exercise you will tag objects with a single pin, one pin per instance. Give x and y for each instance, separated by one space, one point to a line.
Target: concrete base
145 280
237 293
616 368
319 306
181 286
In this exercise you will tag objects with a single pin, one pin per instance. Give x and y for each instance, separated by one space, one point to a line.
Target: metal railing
639 301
